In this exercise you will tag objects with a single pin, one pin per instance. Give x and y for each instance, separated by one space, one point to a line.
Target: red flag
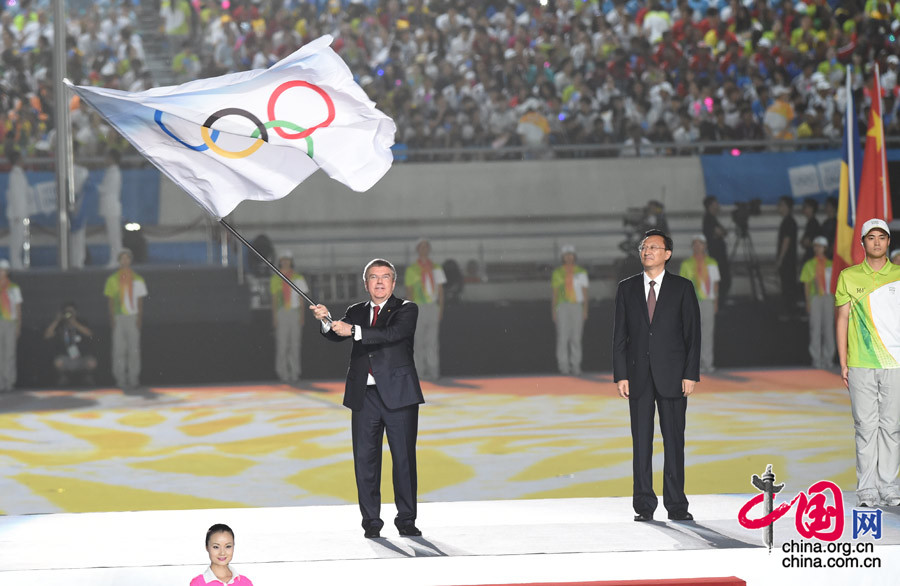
874 192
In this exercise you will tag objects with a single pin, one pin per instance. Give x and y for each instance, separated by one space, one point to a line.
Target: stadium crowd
568 72
455 73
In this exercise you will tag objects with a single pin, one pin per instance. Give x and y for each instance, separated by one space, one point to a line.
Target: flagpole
851 119
284 278
885 197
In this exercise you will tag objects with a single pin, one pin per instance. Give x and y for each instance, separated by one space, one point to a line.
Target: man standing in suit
383 392
656 363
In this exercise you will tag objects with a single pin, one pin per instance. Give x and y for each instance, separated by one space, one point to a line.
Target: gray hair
379 262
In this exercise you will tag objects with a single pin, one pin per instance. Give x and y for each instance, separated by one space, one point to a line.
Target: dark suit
392 405
654 358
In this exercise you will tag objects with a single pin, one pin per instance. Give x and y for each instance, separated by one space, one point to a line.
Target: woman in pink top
220 546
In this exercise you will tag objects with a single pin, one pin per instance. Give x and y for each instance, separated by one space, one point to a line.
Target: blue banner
140 198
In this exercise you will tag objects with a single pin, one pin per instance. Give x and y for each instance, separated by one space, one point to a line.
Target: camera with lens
741 215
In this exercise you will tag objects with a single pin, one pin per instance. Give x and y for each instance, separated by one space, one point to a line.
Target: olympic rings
329 103
261 134
284 123
157 116
260 129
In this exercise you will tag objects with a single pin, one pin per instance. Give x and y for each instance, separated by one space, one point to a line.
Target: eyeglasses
653 249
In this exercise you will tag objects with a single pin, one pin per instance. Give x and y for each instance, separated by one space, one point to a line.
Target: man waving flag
256 134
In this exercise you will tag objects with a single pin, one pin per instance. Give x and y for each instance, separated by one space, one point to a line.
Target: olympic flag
256 134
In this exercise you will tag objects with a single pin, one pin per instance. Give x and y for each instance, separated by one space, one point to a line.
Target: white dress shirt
658 281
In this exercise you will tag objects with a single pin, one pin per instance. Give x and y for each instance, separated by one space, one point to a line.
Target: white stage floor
480 542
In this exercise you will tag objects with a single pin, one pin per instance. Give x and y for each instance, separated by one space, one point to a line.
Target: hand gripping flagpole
284 278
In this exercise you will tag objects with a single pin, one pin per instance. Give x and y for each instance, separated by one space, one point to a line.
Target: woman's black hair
218 528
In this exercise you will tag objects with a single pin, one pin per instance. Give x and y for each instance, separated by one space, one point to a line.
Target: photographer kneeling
71 335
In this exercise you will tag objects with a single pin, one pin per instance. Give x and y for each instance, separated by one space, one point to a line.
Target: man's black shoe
373 533
643 517
409 531
685 516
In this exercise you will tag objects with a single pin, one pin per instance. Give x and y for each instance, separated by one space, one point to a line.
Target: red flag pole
269 264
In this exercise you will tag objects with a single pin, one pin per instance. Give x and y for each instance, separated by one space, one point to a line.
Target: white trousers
821 331
16 243
126 351
7 354
427 345
569 328
875 403
707 333
287 345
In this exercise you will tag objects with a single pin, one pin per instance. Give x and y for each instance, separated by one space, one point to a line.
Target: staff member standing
18 194
816 278
656 363
424 282
570 310
126 290
110 206
10 327
867 331
383 392
287 319
703 272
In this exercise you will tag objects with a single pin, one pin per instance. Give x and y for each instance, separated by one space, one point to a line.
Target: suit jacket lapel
639 290
390 306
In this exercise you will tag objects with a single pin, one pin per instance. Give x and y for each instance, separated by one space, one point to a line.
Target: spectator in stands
424 281
71 335
786 255
18 197
10 327
637 145
186 63
811 230
287 319
703 271
779 117
125 290
569 309
816 279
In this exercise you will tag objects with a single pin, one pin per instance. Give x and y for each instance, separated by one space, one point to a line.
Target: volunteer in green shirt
424 281
868 340
703 271
126 290
816 278
287 319
570 309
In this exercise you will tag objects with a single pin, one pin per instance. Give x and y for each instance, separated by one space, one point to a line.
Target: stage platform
522 480
479 542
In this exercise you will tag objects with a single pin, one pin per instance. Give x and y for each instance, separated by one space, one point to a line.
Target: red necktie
374 319
651 300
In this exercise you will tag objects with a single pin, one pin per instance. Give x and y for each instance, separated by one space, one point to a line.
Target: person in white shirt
18 195
110 193
78 220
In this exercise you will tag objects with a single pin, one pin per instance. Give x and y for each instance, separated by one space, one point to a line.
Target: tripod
745 244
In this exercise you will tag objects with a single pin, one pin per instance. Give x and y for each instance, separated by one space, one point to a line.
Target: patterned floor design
480 439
